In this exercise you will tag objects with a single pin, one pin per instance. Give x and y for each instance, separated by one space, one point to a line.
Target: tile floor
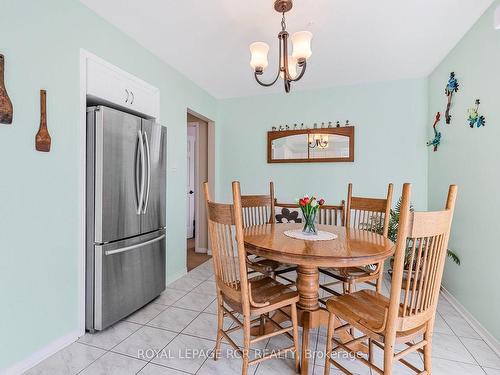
183 320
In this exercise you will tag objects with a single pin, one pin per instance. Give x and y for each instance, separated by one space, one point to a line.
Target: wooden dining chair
253 298
407 316
260 210
332 214
371 214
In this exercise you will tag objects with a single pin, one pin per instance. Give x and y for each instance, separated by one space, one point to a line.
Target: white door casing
190 188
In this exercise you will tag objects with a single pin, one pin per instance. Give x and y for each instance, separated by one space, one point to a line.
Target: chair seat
267 290
366 308
267 266
350 274
263 264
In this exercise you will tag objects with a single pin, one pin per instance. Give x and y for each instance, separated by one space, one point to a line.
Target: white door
190 185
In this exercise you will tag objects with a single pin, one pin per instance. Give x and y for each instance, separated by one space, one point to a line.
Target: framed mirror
311 145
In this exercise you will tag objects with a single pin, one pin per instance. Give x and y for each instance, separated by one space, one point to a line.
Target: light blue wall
469 158
39 220
390 139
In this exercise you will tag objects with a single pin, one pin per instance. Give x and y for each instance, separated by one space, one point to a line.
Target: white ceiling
355 41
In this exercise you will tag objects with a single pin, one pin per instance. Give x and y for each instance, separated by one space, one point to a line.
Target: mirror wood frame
347 131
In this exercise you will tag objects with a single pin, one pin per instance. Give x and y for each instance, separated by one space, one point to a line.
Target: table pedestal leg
307 286
310 315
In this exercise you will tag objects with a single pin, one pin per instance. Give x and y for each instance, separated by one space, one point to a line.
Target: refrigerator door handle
132 247
143 173
148 160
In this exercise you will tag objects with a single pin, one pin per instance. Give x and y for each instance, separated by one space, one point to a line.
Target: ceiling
355 41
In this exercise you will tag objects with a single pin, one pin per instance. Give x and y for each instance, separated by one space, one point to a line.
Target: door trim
210 173
195 155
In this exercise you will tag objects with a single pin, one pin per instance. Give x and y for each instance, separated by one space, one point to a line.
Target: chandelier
288 64
318 140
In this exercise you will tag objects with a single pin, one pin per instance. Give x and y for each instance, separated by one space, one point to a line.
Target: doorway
199 170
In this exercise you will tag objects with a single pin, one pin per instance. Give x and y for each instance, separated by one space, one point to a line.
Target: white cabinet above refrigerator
109 84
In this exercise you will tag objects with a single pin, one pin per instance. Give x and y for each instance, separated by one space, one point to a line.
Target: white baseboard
176 276
478 327
201 250
58 344
42 354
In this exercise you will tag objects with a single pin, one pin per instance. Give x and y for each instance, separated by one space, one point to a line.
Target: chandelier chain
283 22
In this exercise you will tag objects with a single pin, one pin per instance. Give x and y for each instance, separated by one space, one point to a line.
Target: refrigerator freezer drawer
128 274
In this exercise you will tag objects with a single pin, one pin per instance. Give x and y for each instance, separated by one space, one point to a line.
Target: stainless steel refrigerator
125 229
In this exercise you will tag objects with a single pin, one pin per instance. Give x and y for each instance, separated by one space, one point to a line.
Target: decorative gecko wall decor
474 118
451 87
437 135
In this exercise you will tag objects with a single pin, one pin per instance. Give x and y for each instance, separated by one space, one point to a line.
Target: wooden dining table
350 248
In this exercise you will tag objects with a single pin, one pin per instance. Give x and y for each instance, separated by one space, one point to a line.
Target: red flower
301 202
321 202
306 201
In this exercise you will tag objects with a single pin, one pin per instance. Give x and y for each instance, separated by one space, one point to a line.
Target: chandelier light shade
301 42
288 64
259 52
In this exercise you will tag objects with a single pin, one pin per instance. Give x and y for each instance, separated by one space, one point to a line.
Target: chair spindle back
258 209
419 260
331 215
371 214
226 239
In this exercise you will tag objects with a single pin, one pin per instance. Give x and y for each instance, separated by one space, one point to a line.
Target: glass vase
310 223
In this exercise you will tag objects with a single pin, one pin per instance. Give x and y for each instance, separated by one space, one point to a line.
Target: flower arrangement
309 207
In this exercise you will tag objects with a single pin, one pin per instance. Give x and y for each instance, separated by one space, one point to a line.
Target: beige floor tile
173 319
228 363
446 367
146 314
185 353
152 369
483 354
185 283
491 371
70 360
195 301
170 296
111 336
114 364
205 325
451 348
144 343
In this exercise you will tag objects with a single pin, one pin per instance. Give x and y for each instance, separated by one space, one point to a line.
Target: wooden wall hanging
436 141
451 87
6 110
42 139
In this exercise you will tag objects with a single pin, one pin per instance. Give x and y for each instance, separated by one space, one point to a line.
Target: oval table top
351 248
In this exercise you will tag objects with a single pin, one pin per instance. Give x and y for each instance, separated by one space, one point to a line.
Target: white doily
321 236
